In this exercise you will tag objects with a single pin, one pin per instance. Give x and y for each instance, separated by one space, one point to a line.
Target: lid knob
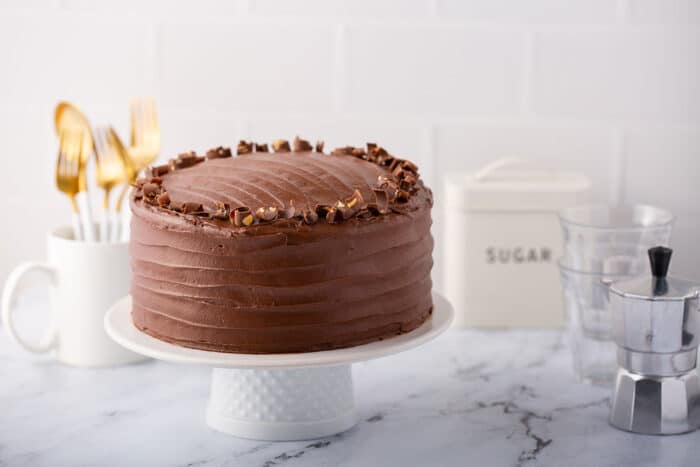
659 259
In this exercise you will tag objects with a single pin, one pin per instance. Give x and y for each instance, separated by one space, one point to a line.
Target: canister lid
658 286
515 185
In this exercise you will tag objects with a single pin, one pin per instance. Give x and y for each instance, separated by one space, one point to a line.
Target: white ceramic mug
86 278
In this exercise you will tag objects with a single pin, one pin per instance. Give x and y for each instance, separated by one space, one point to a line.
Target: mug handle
48 342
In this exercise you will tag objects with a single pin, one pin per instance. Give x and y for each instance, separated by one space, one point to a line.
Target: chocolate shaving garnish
409 166
376 153
334 216
184 160
394 163
401 196
281 145
399 172
345 150
218 153
163 199
359 152
322 209
301 145
158 170
244 147
345 211
407 182
382 204
356 201
222 211
150 190
385 161
261 148
373 209
310 217
242 217
266 214
319 146
191 207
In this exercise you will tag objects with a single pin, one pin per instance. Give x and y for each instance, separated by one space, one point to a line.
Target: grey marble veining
468 398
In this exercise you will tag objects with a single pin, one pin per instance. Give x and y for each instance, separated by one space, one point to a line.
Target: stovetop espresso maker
656 322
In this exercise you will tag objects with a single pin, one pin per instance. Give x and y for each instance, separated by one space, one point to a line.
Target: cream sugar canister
502 241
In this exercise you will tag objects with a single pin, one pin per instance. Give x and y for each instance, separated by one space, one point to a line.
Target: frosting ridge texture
360 272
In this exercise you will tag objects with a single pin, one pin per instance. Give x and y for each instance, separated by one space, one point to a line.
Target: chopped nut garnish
288 212
244 147
310 217
301 145
242 217
222 211
261 148
266 214
281 145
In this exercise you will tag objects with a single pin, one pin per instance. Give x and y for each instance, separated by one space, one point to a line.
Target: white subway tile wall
610 88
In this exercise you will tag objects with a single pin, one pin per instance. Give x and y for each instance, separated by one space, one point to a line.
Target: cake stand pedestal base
282 404
277 397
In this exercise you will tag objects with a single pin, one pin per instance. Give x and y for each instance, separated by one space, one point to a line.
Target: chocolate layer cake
286 251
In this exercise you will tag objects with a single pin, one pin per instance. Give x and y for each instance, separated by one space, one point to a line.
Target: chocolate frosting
280 284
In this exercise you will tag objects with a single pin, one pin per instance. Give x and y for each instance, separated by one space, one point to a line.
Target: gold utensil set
115 165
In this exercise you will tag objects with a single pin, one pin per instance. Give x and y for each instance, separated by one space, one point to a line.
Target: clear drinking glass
613 240
603 244
590 323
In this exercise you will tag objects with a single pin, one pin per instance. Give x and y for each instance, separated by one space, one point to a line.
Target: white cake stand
277 397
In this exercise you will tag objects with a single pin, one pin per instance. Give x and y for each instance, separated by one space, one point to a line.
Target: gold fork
145 132
113 168
68 172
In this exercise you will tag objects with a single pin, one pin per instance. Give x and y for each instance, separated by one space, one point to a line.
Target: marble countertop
467 398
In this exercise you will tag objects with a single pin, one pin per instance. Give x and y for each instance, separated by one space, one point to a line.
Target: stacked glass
603 244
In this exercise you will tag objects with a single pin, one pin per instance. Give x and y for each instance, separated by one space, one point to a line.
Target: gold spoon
67 117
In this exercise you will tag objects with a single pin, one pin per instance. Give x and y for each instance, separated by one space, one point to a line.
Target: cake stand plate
277 397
